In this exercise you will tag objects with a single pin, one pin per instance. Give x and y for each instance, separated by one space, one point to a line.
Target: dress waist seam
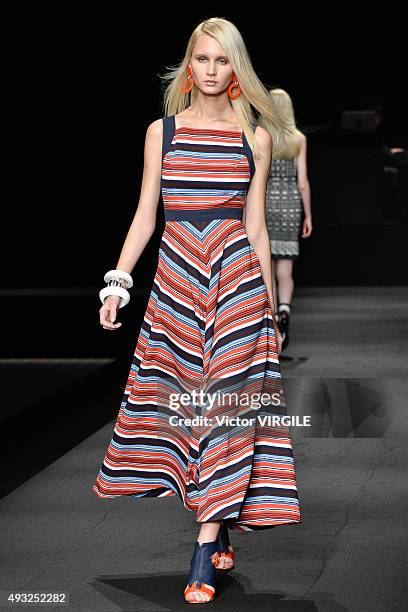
203 214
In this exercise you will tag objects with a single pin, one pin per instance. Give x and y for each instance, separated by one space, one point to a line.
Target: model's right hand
108 312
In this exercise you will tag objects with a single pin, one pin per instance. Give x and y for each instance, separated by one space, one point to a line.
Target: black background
83 84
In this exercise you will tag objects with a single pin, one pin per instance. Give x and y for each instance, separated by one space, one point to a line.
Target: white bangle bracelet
120 291
119 275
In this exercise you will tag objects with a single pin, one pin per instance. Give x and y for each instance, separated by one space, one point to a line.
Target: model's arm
254 219
304 188
144 220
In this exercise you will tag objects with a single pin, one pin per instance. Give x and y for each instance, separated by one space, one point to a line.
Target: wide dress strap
169 127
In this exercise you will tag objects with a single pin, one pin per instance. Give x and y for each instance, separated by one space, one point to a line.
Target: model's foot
223 561
201 581
199 596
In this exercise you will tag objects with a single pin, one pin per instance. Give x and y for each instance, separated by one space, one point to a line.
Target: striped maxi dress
205 369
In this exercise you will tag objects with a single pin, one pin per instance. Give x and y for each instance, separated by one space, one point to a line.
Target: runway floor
346 366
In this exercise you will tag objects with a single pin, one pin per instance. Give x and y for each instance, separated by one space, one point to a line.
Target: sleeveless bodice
205 172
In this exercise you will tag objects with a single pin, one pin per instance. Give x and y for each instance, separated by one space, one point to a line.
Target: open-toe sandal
202 573
224 560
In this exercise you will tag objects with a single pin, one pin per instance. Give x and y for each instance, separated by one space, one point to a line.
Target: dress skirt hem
233 522
293 257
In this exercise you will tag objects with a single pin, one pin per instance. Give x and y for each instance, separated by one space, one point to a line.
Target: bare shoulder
155 129
303 145
263 137
264 142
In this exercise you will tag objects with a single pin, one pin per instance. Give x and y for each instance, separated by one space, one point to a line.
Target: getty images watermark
252 401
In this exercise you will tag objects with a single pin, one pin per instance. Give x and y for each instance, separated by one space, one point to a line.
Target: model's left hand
307 227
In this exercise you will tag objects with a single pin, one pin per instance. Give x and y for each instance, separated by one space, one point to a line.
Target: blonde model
287 205
209 322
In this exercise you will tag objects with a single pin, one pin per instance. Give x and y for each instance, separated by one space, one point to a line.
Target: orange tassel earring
234 83
186 86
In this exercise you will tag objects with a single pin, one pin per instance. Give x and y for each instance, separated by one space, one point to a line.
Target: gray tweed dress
284 209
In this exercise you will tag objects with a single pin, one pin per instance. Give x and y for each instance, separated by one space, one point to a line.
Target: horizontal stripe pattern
208 326
205 169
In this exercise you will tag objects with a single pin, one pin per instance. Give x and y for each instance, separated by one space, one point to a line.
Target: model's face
210 63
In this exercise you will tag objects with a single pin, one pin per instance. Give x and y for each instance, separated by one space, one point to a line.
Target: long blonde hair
253 92
283 102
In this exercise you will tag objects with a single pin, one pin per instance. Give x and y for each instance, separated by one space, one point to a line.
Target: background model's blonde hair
282 101
252 93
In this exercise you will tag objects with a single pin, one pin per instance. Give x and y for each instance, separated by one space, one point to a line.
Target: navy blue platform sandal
225 553
202 572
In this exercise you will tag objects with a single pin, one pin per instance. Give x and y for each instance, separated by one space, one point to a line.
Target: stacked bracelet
118 283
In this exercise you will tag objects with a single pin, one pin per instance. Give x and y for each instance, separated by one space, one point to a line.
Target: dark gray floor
60 373
348 370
